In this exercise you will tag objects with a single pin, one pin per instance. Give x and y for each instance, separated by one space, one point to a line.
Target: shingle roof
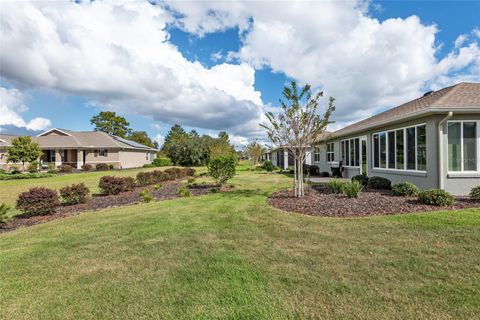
456 97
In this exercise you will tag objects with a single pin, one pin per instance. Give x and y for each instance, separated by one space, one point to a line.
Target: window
462 146
101 153
316 154
330 152
401 149
351 152
357 152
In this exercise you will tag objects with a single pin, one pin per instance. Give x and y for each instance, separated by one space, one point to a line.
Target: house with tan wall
75 148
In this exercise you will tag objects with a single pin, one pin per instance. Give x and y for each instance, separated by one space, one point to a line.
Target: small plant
221 168
405 189
101 167
268 165
162 162
336 186
111 185
214 190
129 183
75 193
183 191
146 196
158 186
352 189
4 217
38 201
475 193
436 197
65 168
191 180
32 167
379 183
110 166
87 167
362 178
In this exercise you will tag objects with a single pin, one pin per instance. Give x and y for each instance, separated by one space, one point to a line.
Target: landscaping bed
98 202
319 201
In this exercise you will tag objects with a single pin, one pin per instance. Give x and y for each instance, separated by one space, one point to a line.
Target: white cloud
119 56
460 40
160 139
216 56
12 105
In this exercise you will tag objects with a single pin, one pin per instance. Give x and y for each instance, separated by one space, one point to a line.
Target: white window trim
464 172
344 151
330 152
316 154
404 149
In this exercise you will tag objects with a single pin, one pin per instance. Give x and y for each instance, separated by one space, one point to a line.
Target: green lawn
231 256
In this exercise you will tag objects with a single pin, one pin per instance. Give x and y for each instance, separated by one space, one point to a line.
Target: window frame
330 152
461 146
405 148
316 154
348 144
102 153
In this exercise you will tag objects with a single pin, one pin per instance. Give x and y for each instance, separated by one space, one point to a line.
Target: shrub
129 183
158 186
4 217
33 175
101 167
183 191
268 165
15 169
221 168
110 185
436 197
162 162
160 176
336 186
362 178
172 172
32 167
38 201
75 193
379 183
189 172
87 167
65 168
110 166
213 190
311 170
2 171
145 195
475 193
191 180
352 189
145 178
149 165
275 168
405 189
325 174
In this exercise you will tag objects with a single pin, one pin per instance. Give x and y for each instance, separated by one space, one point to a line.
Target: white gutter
440 150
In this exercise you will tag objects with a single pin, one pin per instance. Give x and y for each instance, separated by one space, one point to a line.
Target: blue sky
368 67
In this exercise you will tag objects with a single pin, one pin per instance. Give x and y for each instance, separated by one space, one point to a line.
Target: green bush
158 186
101 167
32 167
405 189
183 191
379 183
268 165
145 195
38 201
475 193
324 174
65 168
2 171
214 190
149 165
162 162
352 189
436 197
111 185
191 180
34 175
4 216
336 186
221 168
362 178
75 193
311 170
111 167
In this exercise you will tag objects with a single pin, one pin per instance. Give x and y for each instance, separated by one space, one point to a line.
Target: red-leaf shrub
110 185
87 167
174 173
189 172
75 193
101 167
160 176
145 178
65 168
38 201
129 183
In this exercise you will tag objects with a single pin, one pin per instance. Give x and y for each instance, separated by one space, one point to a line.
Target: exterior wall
133 158
111 158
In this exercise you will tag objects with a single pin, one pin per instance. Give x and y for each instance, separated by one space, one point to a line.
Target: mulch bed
320 202
98 202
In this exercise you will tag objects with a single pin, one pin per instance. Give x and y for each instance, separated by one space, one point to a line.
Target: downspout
440 150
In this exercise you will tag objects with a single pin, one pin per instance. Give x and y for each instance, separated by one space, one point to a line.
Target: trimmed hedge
379 183
111 185
362 178
65 168
87 167
162 162
74 194
405 189
38 201
436 197
101 167
34 175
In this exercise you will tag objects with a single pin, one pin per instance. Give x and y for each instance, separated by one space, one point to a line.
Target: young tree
23 150
254 152
297 126
221 168
109 122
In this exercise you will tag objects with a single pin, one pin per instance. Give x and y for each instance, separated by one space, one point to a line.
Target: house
432 141
75 148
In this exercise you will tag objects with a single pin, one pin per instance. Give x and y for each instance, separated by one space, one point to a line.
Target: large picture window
401 149
462 146
330 152
351 152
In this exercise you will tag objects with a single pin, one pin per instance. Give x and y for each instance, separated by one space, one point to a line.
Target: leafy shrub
4 217
275 168
145 195
129 183
149 165
15 169
110 185
183 191
352 189
311 170
324 174
101 167
362 178
33 175
189 172
32 167
2 171
162 162
436 197
221 168
145 178
475 193
172 172
75 193
405 189
213 190
65 168
52 172
87 167
160 176
110 166
268 165
379 183
38 201
158 186
336 186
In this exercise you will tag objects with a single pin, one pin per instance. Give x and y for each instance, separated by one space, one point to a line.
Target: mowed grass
231 256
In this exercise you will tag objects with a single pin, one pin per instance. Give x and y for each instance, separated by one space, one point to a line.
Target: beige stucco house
76 148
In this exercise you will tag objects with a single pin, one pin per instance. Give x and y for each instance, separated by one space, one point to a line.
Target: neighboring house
76 148
432 141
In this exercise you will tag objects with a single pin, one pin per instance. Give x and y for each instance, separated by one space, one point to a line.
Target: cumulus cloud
12 105
119 56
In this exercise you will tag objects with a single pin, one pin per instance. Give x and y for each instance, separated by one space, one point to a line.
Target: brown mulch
320 202
98 202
